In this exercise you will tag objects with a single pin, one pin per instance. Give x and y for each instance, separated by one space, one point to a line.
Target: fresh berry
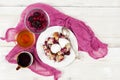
36 24
30 19
36 14
67 53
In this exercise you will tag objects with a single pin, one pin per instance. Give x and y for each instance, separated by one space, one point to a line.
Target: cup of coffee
24 59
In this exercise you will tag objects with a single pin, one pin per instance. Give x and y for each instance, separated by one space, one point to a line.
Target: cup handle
18 67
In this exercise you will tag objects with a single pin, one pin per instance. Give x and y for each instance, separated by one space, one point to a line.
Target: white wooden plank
112 56
87 3
103 21
106 68
103 16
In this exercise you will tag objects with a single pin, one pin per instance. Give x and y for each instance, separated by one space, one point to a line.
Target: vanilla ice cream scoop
63 42
55 48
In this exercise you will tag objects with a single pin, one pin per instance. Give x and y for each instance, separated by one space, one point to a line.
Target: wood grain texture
103 21
106 68
81 3
103 16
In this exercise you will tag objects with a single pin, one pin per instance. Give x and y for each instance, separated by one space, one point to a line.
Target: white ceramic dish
47 33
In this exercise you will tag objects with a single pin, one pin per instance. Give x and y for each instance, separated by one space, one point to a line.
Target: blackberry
36 14
36 24
67 53
30 18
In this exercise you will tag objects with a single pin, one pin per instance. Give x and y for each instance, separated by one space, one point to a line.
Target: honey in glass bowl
36 20
25 39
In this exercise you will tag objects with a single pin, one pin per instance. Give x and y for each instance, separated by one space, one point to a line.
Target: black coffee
24 59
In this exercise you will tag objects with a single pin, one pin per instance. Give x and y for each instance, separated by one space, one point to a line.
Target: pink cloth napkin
86 39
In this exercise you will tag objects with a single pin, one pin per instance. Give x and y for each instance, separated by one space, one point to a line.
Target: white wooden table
102 15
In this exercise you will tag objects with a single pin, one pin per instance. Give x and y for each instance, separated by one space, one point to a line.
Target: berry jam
24 59
36 20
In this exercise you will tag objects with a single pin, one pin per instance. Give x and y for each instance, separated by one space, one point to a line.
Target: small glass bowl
25 39
36 20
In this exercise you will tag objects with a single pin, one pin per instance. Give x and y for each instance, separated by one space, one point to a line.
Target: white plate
47 33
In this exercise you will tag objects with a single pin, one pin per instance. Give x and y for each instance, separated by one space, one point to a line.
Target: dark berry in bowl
36 20
36 24
36 14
